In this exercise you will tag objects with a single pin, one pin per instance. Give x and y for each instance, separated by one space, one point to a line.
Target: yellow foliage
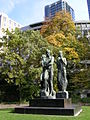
71 53
56 39
61 22
59 37
71 37
60 32
51 39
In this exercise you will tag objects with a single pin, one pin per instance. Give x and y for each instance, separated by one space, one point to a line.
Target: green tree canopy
21 57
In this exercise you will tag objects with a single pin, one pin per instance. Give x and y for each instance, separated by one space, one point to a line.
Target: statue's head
60 53
47 52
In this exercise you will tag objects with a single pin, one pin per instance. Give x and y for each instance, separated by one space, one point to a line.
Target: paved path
4 106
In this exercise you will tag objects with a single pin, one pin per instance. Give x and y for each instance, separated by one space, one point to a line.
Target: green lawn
8 115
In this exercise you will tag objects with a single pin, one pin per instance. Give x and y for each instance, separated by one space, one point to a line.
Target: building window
88 25
15 24
10 22
4 24
4 19
18 25
84 25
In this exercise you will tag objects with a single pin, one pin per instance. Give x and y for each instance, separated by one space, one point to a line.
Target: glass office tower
60 5
88 3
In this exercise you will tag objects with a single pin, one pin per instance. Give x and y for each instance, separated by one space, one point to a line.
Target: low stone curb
6 106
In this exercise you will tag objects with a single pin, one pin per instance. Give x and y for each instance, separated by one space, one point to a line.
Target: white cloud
8 5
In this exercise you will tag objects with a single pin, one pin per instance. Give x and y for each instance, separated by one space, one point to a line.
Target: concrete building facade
6 22
50 10
84 27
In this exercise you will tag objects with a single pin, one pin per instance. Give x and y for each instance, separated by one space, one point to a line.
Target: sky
28 12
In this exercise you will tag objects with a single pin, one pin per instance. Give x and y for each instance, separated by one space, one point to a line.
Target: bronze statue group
47 74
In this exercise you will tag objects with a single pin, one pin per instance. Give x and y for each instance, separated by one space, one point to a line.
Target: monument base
50 107
64 103
73 111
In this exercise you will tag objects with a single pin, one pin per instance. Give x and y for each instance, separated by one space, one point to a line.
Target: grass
7 114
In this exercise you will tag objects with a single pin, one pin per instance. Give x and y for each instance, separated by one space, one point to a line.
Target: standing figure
47 74
61 76
44 75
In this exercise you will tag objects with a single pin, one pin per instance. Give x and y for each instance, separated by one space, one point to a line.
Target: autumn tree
61 33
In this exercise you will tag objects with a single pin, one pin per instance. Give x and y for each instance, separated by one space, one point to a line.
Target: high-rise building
6 22
50 10
88 3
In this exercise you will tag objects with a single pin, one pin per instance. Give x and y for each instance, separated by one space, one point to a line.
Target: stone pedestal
57 106
64 103
62 94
